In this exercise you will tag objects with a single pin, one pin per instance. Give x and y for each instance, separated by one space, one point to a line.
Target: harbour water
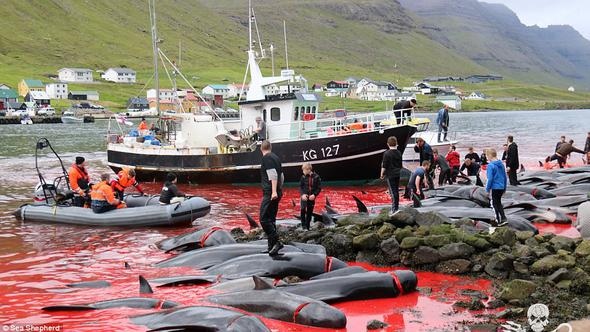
37 260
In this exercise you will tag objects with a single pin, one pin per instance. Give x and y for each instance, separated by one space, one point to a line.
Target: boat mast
285 35
152 8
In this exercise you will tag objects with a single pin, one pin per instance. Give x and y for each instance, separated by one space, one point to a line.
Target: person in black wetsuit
512 162
310 186
561 141
473 156
403 109
170 193
271 174
425 152
417 183
445 169
391 167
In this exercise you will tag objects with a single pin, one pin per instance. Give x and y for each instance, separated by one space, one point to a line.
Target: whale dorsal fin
260 283
144 286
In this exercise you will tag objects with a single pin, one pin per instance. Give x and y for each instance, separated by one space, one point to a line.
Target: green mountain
493 36
327 39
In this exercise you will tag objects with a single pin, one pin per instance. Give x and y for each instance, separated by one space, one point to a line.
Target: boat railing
335 125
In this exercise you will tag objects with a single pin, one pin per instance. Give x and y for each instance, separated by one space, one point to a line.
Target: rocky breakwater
527 268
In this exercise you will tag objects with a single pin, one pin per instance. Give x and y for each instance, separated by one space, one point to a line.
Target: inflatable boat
54 203
141 211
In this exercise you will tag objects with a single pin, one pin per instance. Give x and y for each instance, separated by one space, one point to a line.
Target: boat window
275 114
308 109
313 109
296 113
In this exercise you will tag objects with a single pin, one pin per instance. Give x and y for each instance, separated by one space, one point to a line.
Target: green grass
326 42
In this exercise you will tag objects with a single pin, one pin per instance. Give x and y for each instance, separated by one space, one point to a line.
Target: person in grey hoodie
496 186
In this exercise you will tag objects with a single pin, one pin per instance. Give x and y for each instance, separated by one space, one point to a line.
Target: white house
78 75
476 96
119 75
217 90
165 94
39 97
4 87
235 89
453 101
57 90
405 96
571 89
374 91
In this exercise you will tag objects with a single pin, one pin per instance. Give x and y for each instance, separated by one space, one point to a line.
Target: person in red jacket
79 182
125 179
454 159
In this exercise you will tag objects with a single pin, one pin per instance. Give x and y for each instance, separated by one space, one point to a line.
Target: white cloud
548 12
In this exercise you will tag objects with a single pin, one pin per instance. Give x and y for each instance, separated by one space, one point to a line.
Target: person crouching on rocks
418 181
310 186
103 196
496 186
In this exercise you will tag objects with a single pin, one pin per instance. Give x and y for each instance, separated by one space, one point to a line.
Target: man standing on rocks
497 186
512 162
271 174
391 167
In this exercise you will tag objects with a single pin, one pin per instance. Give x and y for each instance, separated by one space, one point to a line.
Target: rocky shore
526 268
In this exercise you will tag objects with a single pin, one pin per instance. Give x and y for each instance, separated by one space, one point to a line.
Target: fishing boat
53 203
429 136
70 117
207 147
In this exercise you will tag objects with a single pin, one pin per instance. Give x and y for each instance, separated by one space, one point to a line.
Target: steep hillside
493 36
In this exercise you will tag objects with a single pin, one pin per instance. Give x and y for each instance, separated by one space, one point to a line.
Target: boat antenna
272 58
152 9
179 52
250 18
285 35
259 40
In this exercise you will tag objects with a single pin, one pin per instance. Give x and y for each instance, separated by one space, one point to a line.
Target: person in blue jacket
496 184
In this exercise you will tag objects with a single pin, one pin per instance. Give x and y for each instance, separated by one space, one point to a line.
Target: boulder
522 236
313 234
376 325
562 243
503 236
402 233
436 241
583 248
521 268
370 256
366 241
559 275
354 219
386 231
499 265
456 250
517 289
531 242
454 266
552 263
411 211
580 281
391 250
411 242
432 218
402 218
476 242
425 255
336 244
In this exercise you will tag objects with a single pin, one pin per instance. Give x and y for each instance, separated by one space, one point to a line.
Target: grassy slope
324 44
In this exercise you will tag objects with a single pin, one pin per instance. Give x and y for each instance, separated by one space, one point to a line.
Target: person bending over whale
417 182
103 197
271 174
563 152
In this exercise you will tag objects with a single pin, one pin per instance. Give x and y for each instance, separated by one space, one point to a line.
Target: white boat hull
431 138
71 119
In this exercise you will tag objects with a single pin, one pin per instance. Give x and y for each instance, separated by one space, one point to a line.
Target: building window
275 114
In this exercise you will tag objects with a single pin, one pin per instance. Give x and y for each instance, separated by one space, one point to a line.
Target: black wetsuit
270 207
310 184
392 163
413 190
402 108
472 170
445 171
169 191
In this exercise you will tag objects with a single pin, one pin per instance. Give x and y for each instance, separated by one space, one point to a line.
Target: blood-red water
37 260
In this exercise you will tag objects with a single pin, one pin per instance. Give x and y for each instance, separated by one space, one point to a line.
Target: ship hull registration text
322 153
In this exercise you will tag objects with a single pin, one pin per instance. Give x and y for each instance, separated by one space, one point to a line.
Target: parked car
46 111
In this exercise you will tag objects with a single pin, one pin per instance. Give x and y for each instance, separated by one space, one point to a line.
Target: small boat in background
429 136
26 120
70 117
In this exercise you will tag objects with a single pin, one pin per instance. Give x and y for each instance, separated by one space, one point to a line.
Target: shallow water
37 260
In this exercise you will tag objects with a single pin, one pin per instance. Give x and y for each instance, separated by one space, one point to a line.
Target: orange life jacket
123 180
142 126
102 192
78 177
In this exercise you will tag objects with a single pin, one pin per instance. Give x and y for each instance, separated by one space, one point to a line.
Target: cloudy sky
547 12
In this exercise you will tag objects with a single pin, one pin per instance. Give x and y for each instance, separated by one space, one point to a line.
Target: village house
217 90
83 95
352 81
7 96
57 90
164 94
375 90
476 96
316 87
40 98
137 103
337 85
119 75
482 78
453 101
235 89
400 96
28 84
76 75
4 87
